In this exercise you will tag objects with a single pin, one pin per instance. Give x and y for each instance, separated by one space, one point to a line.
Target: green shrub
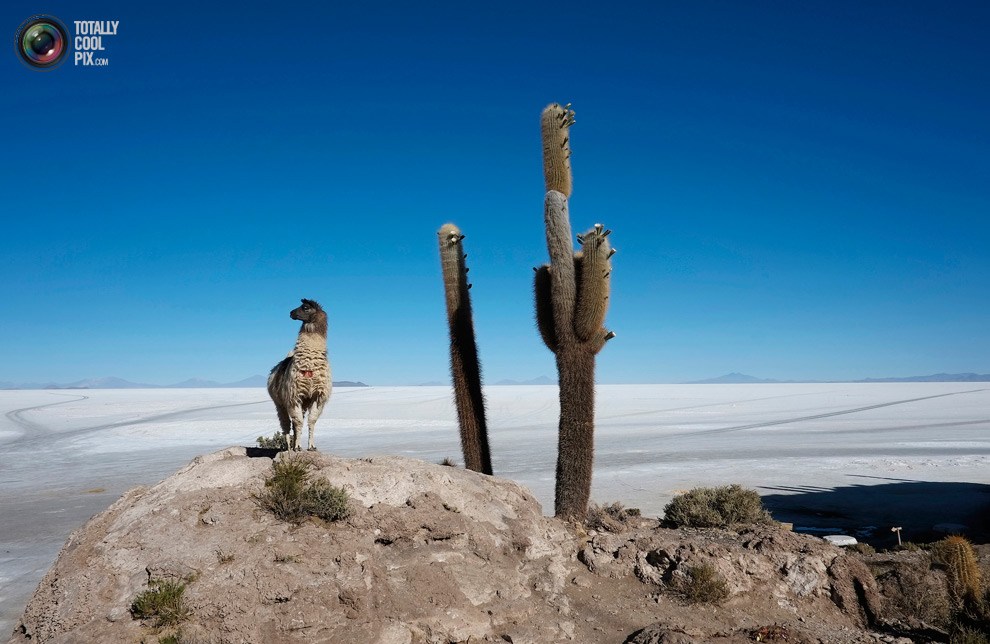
703 585
716 507
290 495
277 441
163 602
284 493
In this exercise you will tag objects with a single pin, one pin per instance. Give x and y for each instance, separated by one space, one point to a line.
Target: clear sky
796 189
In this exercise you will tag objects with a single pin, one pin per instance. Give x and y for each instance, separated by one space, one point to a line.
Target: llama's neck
313 333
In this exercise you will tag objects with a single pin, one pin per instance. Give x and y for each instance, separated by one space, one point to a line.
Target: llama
300 384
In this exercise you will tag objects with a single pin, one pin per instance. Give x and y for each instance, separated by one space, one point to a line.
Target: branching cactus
572 294
465 368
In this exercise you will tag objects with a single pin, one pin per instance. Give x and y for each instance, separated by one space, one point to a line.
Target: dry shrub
703 584
326 501
969 636
716 507
913 590
610 517
772 633
861 548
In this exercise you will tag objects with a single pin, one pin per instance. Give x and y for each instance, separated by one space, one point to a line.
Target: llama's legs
297 424
314 415
283 421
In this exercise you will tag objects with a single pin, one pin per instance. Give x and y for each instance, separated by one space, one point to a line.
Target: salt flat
847 455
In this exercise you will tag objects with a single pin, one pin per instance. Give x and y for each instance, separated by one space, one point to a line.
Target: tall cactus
465 368
571 295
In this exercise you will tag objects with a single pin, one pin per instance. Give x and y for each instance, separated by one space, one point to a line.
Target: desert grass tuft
163 602
716 507
291 496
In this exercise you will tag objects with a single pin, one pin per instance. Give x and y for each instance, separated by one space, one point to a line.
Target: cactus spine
571 300
465 369
957 554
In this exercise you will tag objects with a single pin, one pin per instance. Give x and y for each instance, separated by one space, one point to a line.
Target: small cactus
571 294
957 555
465 369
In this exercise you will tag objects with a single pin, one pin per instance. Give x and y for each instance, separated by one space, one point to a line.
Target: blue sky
796 190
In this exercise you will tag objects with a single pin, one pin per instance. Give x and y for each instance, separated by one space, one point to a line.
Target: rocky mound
428 554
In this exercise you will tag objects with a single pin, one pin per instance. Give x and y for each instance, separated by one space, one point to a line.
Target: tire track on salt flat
40 432
648 412
785 421
16 415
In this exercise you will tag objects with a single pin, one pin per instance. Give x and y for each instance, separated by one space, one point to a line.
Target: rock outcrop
428 554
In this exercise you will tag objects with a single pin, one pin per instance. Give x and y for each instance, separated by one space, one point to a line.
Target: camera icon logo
42 42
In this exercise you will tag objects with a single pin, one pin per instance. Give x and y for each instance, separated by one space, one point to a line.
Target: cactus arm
593 285
563 281
465 368
544 307
555 123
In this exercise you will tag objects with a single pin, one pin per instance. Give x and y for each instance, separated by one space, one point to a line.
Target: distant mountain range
261 381
732 379
742 379
111 382
542 380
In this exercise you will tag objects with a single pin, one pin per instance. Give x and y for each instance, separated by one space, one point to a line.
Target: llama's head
311 314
